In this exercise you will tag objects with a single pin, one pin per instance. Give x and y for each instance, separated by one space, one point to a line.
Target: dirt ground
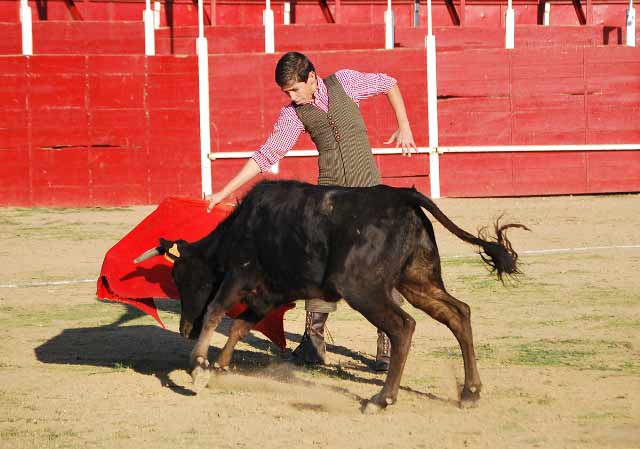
558 352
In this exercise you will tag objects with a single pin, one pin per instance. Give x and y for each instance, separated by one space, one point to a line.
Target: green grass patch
95 314
121 367
467 261
601 355
598 355
69 231
543 355
592 417
483 352
617 323
58 224
422 382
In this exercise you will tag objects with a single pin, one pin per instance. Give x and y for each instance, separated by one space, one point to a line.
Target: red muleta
137 285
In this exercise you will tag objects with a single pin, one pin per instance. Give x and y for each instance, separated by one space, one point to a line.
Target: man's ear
311 74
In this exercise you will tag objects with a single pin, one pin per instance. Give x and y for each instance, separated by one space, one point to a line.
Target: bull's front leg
228 294
200 372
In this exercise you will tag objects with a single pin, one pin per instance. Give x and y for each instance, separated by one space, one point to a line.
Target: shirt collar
321 94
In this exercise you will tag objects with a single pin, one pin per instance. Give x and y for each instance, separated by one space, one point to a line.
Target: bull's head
196 281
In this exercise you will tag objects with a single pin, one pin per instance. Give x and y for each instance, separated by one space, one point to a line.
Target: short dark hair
293 67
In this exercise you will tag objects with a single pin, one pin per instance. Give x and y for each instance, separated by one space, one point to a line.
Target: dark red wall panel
14 130
612 116
173 145
549 173
539 173
613 171
232 12
85 38
11 42
477 174
99 129
15 188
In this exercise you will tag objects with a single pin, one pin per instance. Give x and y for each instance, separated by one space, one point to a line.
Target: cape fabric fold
137 285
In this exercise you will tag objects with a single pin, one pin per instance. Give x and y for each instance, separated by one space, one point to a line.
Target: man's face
302 92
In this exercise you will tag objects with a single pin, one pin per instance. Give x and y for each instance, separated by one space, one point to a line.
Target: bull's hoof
376 404
220 369
469 397
200 378
371 408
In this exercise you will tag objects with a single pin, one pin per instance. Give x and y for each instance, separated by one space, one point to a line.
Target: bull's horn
153 252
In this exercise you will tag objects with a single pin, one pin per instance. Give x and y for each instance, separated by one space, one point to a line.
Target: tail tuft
497 251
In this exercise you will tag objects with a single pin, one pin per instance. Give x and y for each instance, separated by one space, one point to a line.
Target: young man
328 109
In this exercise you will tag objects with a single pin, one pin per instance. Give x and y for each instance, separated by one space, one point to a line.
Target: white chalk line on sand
461 256
559 250
48 284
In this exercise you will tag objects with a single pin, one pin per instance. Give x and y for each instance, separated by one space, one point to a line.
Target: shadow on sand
152 350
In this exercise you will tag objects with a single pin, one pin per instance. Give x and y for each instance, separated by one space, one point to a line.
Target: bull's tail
496 251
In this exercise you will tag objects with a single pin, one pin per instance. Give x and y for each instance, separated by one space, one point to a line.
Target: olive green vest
341 138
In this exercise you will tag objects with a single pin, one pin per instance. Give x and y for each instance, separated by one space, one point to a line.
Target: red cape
175 218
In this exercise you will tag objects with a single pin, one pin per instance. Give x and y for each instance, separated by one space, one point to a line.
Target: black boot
312 348
383 353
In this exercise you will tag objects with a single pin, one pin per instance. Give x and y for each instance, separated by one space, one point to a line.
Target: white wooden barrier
148 17
203 90
26 22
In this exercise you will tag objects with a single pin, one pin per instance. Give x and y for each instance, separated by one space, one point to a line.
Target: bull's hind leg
423 288
381 311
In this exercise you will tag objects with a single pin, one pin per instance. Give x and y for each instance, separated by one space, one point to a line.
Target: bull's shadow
152 350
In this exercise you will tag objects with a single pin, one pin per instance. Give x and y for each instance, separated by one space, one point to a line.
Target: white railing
434 171
389 27
510 26
26 22
269 28
148 17
631 25
205 110
432 106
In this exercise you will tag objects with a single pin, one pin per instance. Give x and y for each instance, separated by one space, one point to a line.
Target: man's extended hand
214 199
403 139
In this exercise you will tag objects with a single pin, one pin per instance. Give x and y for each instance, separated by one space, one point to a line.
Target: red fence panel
11 42
86 130
15 167
613 101
88 38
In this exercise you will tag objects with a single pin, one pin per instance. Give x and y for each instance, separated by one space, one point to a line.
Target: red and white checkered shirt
288 127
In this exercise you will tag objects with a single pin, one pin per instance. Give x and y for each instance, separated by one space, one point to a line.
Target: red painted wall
127 38
85 130
477 13
113 130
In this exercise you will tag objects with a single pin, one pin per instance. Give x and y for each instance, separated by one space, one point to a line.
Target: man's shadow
152 350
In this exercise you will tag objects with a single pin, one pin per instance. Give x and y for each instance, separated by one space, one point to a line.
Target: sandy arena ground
559 352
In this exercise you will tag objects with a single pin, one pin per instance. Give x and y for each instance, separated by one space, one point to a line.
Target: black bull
288 240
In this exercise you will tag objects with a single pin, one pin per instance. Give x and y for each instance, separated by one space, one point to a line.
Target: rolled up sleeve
360 85
284 136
